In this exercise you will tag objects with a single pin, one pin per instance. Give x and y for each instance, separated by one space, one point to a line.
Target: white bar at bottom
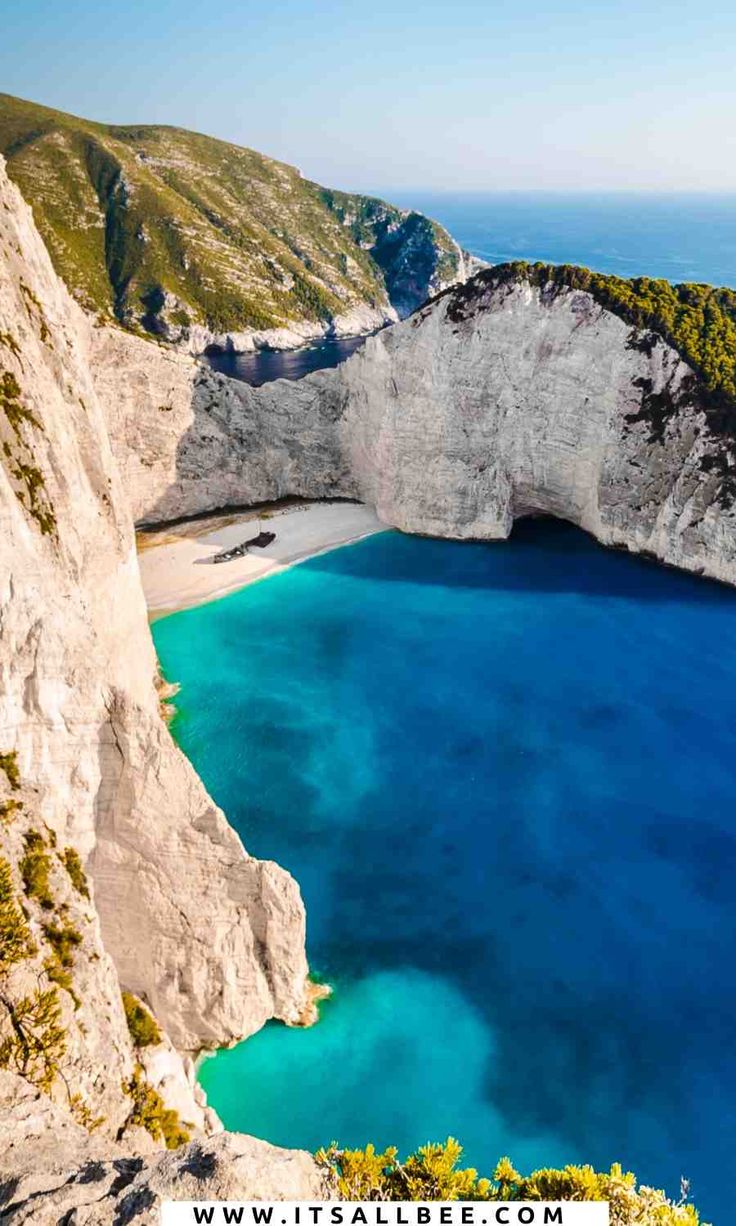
383 1213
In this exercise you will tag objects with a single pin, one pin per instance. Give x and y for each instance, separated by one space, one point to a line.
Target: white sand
176 566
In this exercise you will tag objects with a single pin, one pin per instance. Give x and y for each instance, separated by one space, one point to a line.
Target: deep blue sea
682 237
504 775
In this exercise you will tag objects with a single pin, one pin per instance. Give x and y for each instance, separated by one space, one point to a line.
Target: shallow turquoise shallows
504 776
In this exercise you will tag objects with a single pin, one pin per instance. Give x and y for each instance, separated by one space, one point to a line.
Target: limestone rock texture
491 403
125 872
86 1188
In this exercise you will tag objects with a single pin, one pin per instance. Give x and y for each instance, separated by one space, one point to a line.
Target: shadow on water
541 555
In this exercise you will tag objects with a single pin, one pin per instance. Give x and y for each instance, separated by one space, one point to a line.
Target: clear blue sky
588 94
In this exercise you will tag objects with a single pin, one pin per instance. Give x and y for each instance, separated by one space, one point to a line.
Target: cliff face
116 868
202 242
56 1172
493 402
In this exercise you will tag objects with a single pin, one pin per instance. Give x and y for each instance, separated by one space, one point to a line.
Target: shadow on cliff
241 446
541 556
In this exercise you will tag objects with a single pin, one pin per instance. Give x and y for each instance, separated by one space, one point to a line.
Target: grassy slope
131 214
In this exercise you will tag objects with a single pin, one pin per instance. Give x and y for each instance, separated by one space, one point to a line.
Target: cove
265 365
503 775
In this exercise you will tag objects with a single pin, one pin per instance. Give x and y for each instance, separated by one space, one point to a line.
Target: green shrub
10 402
15 936
34 489
82 1113
9 764
35 1041
150 1112
62 977
143 1029
63 939
432 1173
32 1038
9 341
8 809
35 868
73 865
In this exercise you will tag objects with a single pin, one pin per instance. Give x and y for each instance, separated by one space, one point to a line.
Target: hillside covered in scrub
165 229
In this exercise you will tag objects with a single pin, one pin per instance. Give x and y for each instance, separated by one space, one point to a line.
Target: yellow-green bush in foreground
433 1173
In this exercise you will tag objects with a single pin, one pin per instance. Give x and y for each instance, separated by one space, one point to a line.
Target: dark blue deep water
504 776
681 237
265 365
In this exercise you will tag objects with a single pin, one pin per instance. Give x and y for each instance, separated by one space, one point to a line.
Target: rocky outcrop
116 868
493 402
359 320
187 439
52 1170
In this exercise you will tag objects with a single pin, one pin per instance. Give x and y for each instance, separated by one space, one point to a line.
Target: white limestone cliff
52 1170
173 908
453 423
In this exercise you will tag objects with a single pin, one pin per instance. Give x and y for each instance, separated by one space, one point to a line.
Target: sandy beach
176 562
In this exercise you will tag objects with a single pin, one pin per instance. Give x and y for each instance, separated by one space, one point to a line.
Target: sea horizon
684 236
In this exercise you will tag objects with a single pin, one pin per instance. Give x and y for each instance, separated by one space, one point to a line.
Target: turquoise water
504 777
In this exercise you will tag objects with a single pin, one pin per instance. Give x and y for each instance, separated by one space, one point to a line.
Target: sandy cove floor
176 562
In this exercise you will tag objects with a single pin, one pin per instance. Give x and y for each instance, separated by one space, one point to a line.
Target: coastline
176 561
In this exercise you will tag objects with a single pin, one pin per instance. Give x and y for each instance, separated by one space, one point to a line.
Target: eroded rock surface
491 403
70 1177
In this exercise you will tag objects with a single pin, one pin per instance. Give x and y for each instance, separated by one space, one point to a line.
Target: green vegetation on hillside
18 427
150 1112
32 1037
16 942
433 1173
413 253
161 228
72 862
35 867
9 767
